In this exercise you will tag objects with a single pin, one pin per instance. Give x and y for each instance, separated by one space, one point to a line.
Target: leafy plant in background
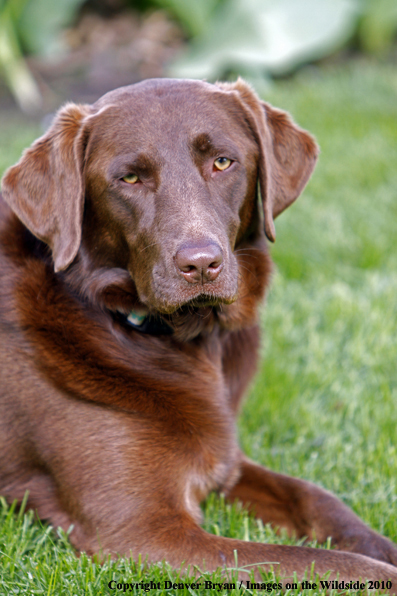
374 20
195 17
30 27
13 66
41 24
262 37
377 27
258 38
254 38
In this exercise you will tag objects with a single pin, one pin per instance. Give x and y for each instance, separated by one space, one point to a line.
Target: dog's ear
287 157
45 188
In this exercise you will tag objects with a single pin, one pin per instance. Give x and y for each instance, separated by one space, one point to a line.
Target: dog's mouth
195 307
193 318
202 301
196 316
185 322
194 303
200 306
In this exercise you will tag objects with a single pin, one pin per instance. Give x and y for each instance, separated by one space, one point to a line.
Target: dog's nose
199 262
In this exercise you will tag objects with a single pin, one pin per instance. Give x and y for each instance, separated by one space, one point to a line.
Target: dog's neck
113 291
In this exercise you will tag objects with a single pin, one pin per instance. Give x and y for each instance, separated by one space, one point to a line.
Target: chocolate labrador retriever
133 260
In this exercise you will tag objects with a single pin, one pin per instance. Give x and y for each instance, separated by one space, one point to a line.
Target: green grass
324 403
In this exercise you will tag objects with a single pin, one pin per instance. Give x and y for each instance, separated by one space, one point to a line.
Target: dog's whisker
149 246
248 249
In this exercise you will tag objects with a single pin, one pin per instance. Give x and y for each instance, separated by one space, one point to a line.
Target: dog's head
160 179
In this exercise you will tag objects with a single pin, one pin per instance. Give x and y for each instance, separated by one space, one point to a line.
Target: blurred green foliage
41 23
193 16
375 20
254 38
30 27
377 26
13 67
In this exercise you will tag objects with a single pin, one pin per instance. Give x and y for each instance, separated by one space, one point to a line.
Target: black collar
149 324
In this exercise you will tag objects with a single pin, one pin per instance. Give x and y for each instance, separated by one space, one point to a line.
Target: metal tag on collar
137 318
143 322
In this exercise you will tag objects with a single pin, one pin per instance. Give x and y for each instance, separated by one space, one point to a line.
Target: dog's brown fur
122 433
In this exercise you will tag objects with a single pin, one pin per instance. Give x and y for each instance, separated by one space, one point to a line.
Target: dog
133 259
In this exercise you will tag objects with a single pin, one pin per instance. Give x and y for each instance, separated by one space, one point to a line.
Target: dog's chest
210 449
174 396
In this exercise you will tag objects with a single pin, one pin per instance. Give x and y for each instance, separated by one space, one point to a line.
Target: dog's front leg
305 509
178 539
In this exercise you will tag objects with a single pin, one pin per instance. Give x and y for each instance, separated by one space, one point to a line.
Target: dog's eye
131 178
222 163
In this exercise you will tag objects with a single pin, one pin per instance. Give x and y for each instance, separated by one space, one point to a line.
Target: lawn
324 403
